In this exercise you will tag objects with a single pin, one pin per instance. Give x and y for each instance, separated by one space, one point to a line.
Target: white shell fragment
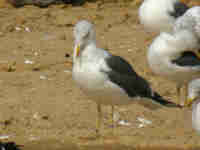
67 71
124 123
116 116
143 122
27 29
18 28
4 137
43 77
28 62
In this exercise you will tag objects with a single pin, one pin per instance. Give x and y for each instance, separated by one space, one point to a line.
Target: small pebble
27 29
45 117
43 77
67 55
18 29
124 123
67 71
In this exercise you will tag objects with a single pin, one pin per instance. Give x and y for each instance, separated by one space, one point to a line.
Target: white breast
96 85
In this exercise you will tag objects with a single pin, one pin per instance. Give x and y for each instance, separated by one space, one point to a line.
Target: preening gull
189 21
194 99
107 79
173 57
159 15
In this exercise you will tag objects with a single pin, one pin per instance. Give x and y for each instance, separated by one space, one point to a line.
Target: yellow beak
77 50
188 102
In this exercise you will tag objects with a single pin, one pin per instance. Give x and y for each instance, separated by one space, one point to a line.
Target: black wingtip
10 146
159 99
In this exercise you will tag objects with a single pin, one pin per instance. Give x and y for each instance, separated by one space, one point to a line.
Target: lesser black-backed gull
105 78
172 56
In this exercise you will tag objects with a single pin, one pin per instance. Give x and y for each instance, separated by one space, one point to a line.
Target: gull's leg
113 122
99 117
178 89
185 94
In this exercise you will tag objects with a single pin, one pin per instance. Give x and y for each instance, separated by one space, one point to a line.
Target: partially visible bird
189 21
9 146
173 57
44 3
107 79
160 15
194 99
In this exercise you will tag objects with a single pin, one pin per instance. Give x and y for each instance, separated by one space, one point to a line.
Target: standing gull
105 78
194 99
159 15
172 56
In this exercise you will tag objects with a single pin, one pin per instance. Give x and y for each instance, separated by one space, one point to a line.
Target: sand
40 104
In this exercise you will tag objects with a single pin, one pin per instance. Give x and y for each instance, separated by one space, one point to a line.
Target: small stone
12 67
7 122
18 29
67 55
36 67
28 62
43 77
45 117
27 29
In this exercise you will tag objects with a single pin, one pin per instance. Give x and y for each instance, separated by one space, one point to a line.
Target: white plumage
167 57
105 78
159 15
194 99
189 21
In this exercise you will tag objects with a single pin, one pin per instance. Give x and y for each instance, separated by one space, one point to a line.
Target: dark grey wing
120 65
187 59
179 9
122 74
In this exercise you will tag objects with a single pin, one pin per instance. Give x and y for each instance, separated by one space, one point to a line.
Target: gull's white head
84 34
193 91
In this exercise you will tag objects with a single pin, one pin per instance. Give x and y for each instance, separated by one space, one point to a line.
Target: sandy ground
41 106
